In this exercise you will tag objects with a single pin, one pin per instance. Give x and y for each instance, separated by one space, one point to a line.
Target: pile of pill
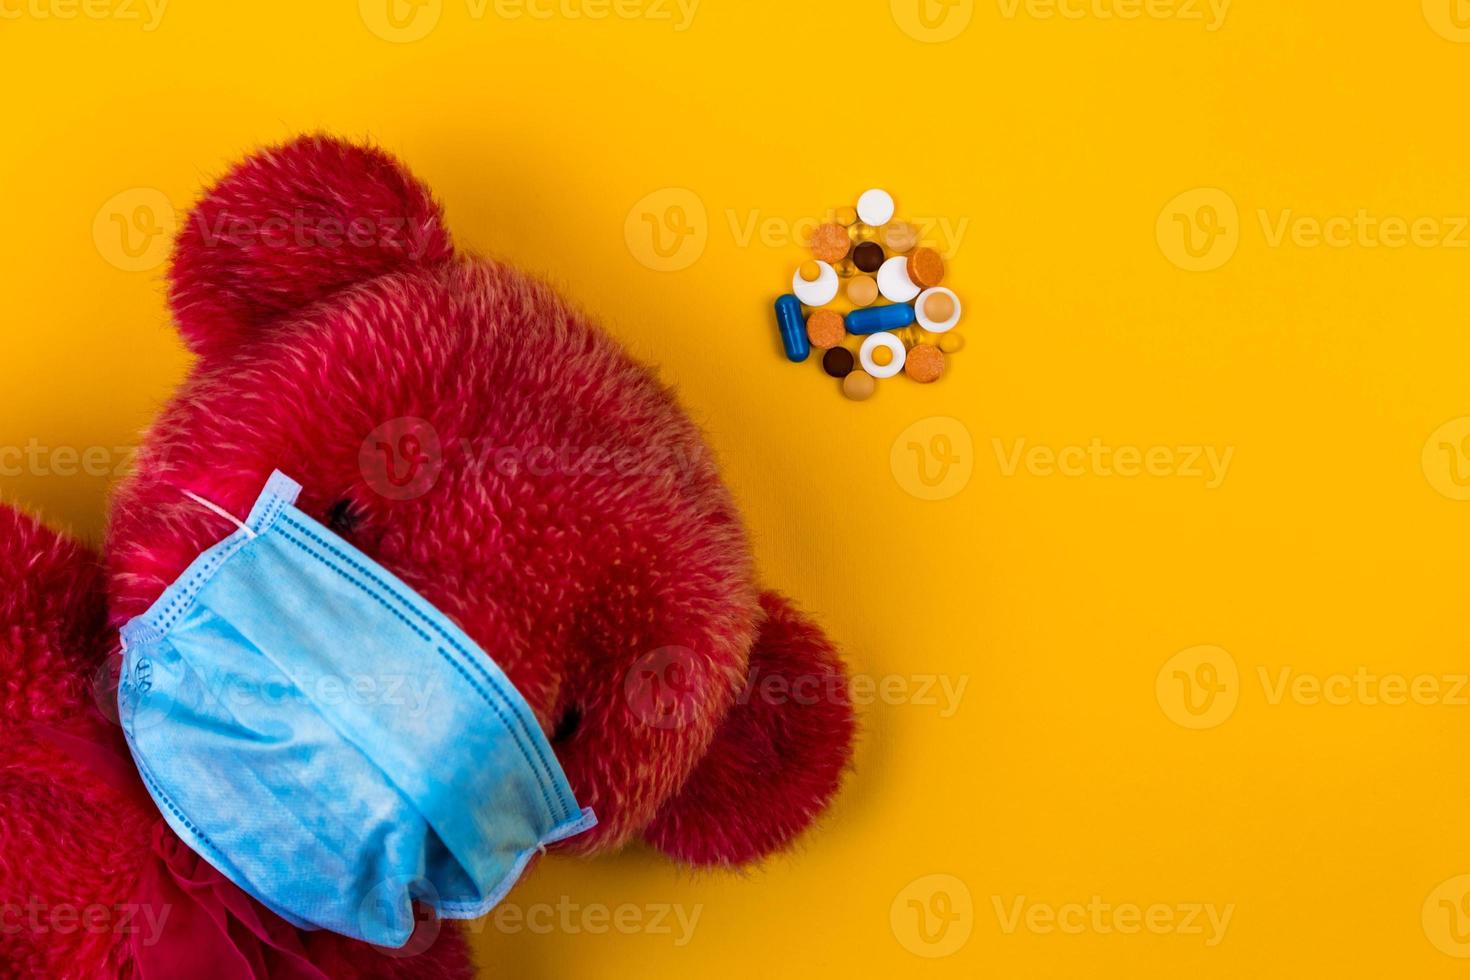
892 315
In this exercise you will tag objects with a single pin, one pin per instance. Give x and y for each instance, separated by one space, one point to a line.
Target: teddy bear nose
342 517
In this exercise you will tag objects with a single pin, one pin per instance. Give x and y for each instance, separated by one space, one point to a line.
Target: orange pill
862 290
846 216
899 236
824 328
830 242
924 364
939 307
926 267
859 386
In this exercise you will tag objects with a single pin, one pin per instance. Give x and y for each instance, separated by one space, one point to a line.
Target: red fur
291 226
777 750
577 529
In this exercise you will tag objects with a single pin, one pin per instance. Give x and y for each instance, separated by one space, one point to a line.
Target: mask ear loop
217 509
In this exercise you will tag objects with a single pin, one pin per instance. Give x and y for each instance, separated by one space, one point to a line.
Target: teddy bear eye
567 725
342 518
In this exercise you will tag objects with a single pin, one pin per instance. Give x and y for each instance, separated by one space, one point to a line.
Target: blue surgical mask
330 741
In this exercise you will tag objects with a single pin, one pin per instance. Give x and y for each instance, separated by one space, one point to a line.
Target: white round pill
893 344
875 207
820 291
894 282
922 309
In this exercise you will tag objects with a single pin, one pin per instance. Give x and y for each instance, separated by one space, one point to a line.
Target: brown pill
924 364
862 290
899 236
830 243
939 307
824 328
859 386
837 362
926 268
868 256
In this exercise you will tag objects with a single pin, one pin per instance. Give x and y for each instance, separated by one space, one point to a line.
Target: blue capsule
793 328
876 319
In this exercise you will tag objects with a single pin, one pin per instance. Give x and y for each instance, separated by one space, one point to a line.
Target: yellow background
1334 542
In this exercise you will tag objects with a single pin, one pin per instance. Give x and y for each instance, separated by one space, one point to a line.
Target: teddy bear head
480 438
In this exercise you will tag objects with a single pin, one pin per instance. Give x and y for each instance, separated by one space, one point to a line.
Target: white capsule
921 312
888 340
820 291
894 282
875 207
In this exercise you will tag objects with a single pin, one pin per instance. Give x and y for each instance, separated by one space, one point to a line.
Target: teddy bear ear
292 225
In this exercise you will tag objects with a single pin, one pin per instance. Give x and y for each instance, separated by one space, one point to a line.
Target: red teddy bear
463 426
